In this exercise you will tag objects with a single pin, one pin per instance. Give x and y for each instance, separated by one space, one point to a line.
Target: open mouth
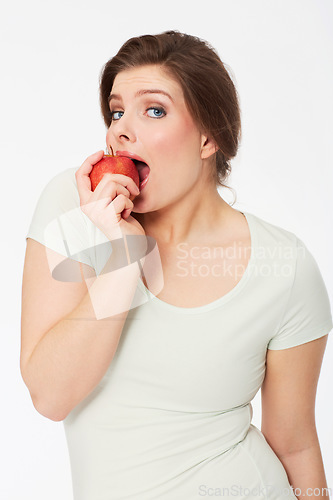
143 171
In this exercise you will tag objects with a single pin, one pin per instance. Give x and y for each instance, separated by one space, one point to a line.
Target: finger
126 213
103 195
118 205
82 174
109 188
90 161
127 182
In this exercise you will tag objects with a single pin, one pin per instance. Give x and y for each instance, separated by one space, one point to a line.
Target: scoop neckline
221 300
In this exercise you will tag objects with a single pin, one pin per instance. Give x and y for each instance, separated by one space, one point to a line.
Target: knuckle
108 179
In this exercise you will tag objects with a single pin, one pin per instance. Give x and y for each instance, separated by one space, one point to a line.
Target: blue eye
157 112
153 112
114 115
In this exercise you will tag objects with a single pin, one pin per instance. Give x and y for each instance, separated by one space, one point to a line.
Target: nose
123 130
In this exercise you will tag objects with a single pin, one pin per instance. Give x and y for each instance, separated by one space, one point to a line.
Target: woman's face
150 120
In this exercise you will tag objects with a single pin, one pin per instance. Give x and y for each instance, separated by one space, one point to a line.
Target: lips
130 155
140 164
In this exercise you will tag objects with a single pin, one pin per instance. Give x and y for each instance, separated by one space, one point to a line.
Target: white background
280 55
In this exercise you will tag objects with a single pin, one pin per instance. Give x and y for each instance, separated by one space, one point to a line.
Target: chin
139 205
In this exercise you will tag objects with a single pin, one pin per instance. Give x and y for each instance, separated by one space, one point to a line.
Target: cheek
165 142
178 142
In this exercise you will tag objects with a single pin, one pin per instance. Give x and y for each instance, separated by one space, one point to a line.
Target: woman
155 389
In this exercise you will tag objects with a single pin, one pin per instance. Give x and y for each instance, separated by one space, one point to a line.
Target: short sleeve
307 315
58 221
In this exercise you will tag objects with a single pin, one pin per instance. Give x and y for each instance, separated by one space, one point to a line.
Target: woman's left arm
288 396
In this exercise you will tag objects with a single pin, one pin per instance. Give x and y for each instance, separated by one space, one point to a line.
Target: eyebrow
140 93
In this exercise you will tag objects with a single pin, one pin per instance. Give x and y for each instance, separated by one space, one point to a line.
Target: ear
208 147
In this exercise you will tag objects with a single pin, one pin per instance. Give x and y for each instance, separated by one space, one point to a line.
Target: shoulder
275 250
273 242
63 185
57 213
59 196
271 234
59 223
282 258
288 272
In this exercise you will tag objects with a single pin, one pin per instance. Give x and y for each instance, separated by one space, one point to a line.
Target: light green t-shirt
171 418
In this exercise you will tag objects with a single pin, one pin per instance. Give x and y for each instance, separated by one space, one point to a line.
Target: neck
191 219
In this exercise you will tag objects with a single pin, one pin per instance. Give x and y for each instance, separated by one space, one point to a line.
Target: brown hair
209 92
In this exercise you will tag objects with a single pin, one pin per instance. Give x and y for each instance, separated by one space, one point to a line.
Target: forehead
145 77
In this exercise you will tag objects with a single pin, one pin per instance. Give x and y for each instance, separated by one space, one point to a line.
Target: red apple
114 165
